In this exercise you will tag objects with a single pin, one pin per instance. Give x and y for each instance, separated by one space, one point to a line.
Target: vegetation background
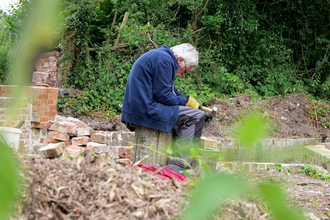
264 48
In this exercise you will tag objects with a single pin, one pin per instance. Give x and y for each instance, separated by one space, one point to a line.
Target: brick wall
39 107
46 69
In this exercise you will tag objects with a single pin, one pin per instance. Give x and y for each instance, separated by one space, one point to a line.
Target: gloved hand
193 103
208 117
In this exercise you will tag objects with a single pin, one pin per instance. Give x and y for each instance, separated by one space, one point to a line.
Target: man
152 100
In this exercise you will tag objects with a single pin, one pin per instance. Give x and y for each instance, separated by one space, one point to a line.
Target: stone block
99 138
52 150
98 148
58 136
80 140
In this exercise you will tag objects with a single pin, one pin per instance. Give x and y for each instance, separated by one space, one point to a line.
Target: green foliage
258 48
311 170
9 179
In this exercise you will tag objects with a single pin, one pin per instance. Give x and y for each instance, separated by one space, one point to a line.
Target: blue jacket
151 99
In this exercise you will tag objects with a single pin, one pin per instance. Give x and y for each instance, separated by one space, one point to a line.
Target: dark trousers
187 131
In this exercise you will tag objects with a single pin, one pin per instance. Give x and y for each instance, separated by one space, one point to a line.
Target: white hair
188 52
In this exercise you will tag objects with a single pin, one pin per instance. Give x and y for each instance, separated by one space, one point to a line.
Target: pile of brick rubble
67 137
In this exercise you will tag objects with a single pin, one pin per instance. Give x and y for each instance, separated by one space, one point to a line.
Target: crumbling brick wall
39 105
47 66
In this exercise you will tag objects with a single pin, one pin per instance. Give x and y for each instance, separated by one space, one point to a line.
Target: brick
98 148
43 96
50 113
77 122
53 150
43 119
80 140
84 131
72 151
99 138
121 152
209 143
39 124
58 136
65 127
51 141
115 138
53 107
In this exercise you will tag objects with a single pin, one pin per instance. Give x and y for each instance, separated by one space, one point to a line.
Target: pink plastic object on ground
164 174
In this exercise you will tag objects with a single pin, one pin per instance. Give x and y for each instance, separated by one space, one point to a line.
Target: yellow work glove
193 103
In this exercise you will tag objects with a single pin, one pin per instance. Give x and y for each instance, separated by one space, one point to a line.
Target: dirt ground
293 116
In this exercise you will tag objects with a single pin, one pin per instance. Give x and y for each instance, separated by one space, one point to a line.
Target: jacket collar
167 50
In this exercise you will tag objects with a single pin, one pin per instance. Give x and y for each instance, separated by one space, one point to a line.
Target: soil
293 116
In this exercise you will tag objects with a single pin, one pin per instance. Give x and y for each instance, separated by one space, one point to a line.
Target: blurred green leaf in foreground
252 128
8 179
38 31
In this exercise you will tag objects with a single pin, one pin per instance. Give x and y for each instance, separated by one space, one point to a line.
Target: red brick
44 119
39 124
54 68
66 127
52 150
75 149
53 96
44 108
80 140
121 151
84 131
43 96
99 138
98 148
53 107
60 118
58 136
50 113
51 141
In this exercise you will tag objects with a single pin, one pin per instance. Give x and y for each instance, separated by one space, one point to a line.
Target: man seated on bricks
152 100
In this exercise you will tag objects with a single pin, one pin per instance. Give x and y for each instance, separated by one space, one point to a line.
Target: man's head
186 56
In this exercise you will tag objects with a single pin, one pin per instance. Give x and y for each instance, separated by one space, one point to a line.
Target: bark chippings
97 188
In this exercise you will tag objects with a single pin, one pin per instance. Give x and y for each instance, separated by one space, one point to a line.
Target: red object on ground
164 174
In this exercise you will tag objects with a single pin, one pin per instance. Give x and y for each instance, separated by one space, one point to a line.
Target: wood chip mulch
92 187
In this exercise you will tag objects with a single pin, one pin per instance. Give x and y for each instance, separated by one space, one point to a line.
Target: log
159 140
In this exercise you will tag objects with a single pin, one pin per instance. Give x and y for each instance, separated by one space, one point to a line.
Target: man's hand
193 103
208 117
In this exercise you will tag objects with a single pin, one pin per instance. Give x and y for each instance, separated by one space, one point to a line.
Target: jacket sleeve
162 85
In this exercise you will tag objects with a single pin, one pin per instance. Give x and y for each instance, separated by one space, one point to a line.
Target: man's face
183 69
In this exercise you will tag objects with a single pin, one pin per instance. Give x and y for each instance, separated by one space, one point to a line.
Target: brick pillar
47 66
44 105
